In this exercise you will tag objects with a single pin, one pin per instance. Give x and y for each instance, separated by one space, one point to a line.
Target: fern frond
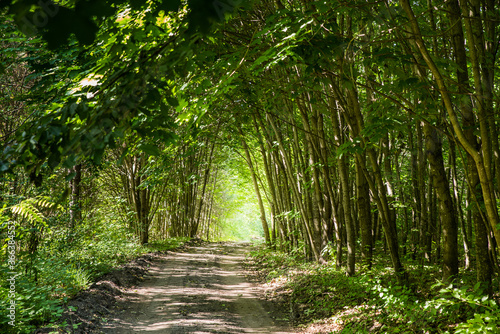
28 211
46 202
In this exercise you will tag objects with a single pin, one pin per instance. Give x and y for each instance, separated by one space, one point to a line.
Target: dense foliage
322 299
359 126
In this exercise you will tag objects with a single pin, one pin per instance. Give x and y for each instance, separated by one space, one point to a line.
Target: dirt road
200 290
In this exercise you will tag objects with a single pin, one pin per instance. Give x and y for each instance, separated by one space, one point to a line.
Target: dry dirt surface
201 289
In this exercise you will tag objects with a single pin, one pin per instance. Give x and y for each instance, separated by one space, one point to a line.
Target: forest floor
202 288
234 288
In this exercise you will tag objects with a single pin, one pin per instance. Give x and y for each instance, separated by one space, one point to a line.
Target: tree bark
447 213
482 158
75 207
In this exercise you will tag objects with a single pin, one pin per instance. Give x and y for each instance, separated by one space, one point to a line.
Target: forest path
200 290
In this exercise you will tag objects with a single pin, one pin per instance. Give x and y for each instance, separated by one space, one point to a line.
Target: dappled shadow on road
199 291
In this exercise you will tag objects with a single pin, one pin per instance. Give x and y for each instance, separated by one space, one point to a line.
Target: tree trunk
75 207
447 212
294 188
263 220
364 212
483 263
345 199
482 158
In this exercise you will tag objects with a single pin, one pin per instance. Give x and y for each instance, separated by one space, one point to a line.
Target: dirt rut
201 290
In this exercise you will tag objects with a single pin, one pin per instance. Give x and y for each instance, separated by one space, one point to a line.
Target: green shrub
35 305
483 313
64 264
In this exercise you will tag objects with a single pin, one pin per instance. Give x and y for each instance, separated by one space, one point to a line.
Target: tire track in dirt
202 290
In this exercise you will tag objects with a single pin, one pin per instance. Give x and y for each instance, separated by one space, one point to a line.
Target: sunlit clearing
238 217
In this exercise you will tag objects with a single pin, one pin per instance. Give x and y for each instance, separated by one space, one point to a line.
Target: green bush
35 304
372 301
483 313
64 264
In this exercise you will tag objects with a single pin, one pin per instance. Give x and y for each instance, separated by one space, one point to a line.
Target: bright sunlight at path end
202 290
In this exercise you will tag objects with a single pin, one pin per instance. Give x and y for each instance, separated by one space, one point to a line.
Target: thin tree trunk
483 263
263 220
447 212
75 207
482 158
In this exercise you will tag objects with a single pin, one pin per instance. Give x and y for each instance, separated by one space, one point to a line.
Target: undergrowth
62 266
322 299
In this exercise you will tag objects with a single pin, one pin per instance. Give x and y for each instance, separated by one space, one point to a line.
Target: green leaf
70 176
182 104
3 166
54 159
149 149
172 101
